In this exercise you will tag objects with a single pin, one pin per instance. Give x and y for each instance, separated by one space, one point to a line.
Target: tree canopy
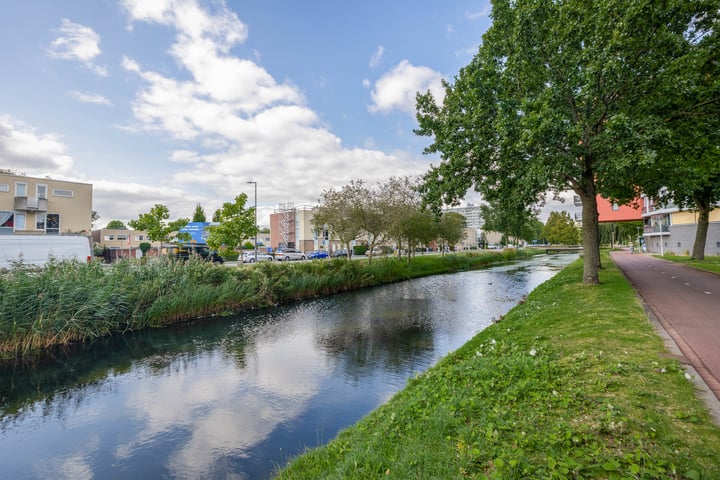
560 228
550 101
156 223
199 214
236 224
116 224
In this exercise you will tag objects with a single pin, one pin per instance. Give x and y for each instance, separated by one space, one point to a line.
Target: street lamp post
256 225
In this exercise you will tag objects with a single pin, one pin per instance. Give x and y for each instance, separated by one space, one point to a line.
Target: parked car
288 254
375 253
340 253
317 254
201 250
249 257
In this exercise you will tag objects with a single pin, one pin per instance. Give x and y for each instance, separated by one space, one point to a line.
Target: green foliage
199 214
248 246
116 224
560 228
555 99
236 224
145 247
155 223
451 229
572 383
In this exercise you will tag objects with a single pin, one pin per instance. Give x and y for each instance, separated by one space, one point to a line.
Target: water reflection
235 397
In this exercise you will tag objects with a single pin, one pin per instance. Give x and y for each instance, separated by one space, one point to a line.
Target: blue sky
182 102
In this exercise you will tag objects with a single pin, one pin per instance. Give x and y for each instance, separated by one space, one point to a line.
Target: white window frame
61 192
20 225
109 238
121 236
24 188
38 217
4 187
37 190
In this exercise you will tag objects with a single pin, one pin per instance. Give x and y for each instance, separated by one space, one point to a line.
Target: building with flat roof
43 206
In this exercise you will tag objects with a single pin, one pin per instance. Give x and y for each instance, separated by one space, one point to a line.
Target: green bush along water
71 301
572 383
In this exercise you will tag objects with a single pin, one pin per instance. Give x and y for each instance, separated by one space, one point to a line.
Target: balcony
31 204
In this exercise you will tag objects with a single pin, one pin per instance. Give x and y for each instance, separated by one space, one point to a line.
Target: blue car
316 254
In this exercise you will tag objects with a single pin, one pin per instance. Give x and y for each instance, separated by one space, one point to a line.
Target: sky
183 102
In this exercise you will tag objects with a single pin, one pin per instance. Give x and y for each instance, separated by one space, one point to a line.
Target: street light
256 225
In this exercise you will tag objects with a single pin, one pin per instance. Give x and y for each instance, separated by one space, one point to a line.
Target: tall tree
199 214
560 228
236 224
514 220
156 223
337 212
551 98
450 229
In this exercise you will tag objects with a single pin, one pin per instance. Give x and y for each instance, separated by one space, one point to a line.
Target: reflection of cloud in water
227 411
76 466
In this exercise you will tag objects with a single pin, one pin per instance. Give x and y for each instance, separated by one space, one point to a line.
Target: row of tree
609 97
392 211
235 223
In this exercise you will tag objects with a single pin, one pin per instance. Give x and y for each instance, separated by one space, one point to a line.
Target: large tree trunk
702 228
591 245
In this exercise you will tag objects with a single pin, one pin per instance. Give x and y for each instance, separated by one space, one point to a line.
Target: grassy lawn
710 264
573 383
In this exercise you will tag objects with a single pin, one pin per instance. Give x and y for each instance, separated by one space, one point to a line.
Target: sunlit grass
573 383
710 264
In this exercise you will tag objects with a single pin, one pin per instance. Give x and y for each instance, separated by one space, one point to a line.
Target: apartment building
43 206
122 243
669 229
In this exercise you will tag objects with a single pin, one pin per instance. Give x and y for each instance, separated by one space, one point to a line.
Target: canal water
237 397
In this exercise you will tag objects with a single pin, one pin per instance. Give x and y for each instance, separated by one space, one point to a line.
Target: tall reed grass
72 302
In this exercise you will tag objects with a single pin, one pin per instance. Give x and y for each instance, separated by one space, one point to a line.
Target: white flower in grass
533 352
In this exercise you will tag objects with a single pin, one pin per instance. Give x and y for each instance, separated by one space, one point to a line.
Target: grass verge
573 383
709 264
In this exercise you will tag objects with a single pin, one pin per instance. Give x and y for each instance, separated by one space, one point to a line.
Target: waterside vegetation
72 302
572 383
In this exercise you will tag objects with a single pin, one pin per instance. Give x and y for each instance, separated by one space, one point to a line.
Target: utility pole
256 225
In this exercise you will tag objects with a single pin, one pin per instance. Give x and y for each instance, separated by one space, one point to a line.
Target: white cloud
94 98
377 57
396 90
484 13
30 152
77 42
366 83
253 126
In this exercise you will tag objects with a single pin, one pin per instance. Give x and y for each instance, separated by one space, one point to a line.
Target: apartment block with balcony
43 206
669 229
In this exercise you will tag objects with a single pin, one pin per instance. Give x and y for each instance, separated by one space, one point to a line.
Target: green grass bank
709 264
72 302
572 383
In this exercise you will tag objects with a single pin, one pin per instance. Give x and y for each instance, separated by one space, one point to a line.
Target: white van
38 249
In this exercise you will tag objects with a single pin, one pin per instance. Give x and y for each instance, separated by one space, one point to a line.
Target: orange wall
624 213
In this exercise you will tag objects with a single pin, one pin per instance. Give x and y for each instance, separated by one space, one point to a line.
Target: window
41 190
4 187
58 192
122 237
39 222
615 207
139 238
7 222
19 221
109 237
53 224
20 189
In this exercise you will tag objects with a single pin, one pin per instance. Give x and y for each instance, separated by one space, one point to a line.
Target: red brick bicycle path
686 302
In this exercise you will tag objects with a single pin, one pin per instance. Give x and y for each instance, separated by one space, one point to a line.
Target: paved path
686 301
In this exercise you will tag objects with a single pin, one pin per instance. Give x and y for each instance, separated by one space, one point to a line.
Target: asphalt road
686 302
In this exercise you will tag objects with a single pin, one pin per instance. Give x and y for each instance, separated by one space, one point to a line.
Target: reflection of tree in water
372 332
63 377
